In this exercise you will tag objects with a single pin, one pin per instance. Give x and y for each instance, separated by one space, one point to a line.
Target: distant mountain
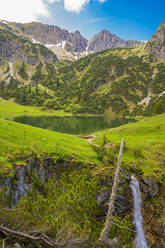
49 35
105 40
65 44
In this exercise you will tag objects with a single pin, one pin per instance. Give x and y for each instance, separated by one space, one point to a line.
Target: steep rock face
105 40
53 35
76 42
36 173
156 46
13 48
50 36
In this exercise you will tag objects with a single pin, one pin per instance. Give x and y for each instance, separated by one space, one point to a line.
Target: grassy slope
9 109
18 138
145 144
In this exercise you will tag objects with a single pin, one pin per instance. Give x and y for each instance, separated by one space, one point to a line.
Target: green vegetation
65 204
68 209
145 145
116 79
17 138
10 109
22 71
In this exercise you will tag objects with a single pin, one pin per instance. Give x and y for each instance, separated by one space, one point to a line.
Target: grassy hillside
144 145
10 109
17 139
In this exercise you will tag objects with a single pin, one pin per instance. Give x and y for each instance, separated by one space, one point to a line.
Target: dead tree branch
43 238
105 232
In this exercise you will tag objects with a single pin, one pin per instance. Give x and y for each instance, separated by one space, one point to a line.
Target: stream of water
140 241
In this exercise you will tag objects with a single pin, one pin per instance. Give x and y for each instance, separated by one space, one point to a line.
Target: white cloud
23 10
31 10
102 1
75 5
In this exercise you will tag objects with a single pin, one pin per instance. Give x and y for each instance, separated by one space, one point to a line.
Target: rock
103 197
105 40
122 202
52 35
149 188
14 48
161 229
35 173
156 46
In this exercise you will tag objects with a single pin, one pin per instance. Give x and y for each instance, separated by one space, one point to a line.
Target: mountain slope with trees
119 81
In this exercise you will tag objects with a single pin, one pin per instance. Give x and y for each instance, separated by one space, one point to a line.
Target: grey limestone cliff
156 46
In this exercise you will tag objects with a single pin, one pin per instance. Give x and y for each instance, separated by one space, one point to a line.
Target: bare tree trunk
105 232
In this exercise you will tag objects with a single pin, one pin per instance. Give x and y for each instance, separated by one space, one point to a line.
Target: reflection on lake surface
71 124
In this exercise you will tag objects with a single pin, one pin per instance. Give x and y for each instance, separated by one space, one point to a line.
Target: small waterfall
140 241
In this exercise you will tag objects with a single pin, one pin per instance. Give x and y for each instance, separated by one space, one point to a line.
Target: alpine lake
77 125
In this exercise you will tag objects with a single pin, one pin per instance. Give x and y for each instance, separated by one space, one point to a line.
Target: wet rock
122 202
20 189
149 187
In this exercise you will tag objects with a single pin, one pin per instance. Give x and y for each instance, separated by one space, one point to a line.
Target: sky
128 19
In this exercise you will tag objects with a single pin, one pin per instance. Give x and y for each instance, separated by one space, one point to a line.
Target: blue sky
129 19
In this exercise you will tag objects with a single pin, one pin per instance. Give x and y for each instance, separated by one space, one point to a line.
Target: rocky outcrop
52 35
122 203
13 48
156 46
149 188
36 173
76 43
105 40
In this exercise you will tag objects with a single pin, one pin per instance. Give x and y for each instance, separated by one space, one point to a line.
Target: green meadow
18 140
10 109
144 144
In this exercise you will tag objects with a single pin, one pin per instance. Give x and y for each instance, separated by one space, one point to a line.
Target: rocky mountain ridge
105 40
14 48
75 44
156 46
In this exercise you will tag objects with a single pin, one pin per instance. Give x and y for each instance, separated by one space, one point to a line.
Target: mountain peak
105 40
156 46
